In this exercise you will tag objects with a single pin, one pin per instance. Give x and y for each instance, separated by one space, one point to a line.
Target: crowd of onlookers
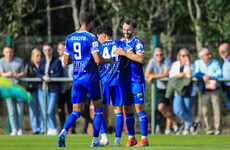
180 86
57 93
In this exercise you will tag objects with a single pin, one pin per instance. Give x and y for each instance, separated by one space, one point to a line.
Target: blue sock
71 119
97 121
143 123
130 122
119 121
102 129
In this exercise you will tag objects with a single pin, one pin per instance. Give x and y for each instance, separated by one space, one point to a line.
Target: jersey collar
131 39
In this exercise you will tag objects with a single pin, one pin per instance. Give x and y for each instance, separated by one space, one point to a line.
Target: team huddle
120 77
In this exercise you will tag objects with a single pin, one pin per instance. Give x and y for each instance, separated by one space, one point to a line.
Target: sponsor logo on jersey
139 95
95 44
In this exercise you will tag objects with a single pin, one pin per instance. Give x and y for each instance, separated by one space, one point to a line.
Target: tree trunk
75 14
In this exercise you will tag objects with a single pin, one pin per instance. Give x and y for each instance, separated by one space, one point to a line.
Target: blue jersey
112 75
135 71
80 46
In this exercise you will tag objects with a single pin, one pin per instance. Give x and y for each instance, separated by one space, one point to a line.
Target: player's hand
120 51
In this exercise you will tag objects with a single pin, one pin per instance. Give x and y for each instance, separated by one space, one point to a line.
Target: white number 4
113 54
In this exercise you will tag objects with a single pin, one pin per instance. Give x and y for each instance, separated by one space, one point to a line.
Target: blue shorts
134 93
80 90
115 92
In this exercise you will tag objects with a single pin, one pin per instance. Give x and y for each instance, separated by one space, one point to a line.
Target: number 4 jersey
80 46
113 75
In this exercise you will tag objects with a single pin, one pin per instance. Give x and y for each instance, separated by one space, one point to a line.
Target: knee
129 109
179 112
139 107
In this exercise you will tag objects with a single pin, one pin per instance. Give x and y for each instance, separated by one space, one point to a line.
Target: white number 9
77 50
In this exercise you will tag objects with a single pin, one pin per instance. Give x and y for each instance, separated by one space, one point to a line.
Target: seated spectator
208 70
32 88
182 104
224 52
49 67
158 67
12 67
64 96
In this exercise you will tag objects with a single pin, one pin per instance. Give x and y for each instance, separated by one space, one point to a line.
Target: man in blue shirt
224 52
112 77
135 85
82 50
208 70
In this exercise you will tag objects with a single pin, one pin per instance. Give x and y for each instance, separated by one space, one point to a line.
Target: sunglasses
184 55
159 54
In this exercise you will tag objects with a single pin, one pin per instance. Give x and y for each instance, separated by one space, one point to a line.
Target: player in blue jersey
136 84
82 48
112 77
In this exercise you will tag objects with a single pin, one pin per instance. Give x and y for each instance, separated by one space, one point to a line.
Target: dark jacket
31 71
55 70
180 85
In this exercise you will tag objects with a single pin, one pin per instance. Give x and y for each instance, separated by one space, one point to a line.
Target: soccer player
82 48
136 84
112 77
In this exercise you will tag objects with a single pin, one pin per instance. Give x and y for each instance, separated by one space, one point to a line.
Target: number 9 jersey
80 46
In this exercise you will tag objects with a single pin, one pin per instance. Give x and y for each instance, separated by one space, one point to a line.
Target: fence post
45 106
8 119
153 95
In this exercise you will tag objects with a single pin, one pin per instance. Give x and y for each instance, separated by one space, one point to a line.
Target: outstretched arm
100 60
131 55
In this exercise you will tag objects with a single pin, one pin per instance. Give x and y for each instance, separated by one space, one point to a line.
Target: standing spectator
224 52
49 67
182 105
13 68
32 88
64 96
208 70
158 67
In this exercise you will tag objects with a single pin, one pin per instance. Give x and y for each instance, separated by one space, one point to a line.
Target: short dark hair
87 17
49 44
105 29
130 22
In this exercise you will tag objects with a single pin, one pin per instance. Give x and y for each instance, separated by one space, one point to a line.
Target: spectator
32 88
13 68
49 67
224 52
208 71
64 95
182 105
158 67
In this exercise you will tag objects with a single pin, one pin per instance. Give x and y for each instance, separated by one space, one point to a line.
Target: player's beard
129 36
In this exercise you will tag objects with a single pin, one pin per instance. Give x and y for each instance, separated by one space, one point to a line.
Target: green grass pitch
82 142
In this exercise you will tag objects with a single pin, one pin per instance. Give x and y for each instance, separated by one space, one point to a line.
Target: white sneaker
167 131
14 132
53 132
49 131
104 142
185 132
19 132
